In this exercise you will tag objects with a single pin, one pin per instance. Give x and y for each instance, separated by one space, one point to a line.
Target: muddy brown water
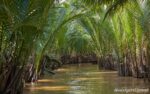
86 79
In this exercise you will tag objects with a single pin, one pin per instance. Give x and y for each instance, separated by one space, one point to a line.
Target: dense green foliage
30 29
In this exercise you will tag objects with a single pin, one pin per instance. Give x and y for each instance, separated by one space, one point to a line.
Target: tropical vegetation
35 32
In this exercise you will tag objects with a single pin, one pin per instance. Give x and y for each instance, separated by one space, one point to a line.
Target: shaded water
86 79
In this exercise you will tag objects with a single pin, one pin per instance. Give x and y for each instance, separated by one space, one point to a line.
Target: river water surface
86 79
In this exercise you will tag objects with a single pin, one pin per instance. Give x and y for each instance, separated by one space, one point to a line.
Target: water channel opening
85 79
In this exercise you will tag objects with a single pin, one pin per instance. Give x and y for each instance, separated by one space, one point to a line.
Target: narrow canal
86 79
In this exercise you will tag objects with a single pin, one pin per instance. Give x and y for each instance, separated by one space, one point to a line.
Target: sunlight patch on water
47 80
49 88
102 72
86 78
63 70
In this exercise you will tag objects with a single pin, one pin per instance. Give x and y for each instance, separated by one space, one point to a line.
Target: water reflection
84 79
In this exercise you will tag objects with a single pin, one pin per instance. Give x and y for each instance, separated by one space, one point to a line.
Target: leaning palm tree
111 5
128 29
21 22
57 19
